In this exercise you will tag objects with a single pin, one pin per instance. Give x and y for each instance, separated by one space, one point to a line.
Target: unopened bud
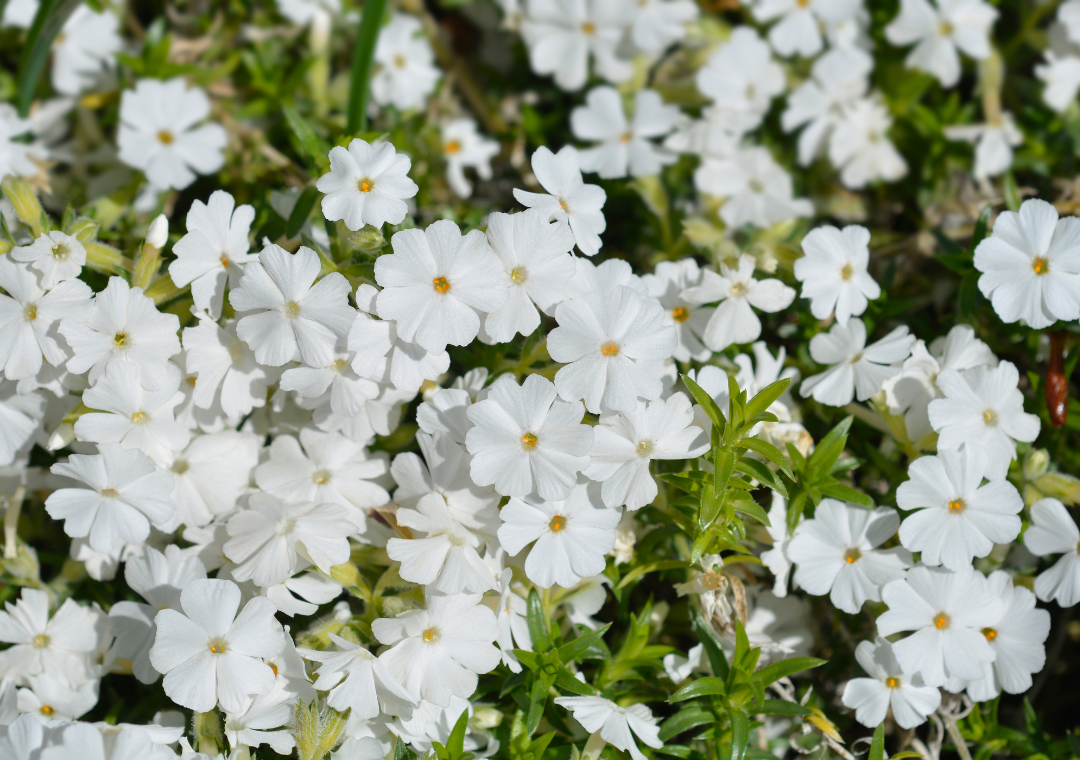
82 229
1036 463
23 199
62 436
367 239
346 574
157 234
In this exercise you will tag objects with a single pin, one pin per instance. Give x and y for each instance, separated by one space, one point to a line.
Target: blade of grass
363 60
50 19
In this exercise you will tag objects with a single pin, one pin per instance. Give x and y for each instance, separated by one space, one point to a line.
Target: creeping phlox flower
568 198
939 29
1053 531
563 36
366 184
858 370
617 725
463 148
57 256
406 73
833 272
624 146
889 687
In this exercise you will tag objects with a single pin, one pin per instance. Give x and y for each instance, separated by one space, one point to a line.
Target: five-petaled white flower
799 22
407 73
568 198
888 687
624 146
756 190
57 256
464 147
563 35
366 184
615 723
353 678
833 272
741 76
858 370
939 29
1053 531
41 644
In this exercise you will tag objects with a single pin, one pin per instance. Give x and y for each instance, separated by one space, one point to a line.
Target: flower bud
1036 463
157 234
22 197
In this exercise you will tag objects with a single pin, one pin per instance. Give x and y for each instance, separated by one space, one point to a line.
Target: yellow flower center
291 310
990 417
756 186
1040 265
180 466
30 312
165 137
41 641
366 185
680 314
46 710
139 418
431 635
625 137
60 251
738 290
528 441
558 522
400 61
217 646
453 147
321 478
610 349
644 448
892 683
941 621
945 28
519 275
109 493
225 260
852 555
588 28
989 633
956 506
847 272
441 284
120 340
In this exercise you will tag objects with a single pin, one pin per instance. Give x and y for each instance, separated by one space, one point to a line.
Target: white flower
604 278
994 143
406 73
329 469
29 315
563 35
84 49
512 619
159 579
1061 72
211 656
123 326
624 445
615 723
125 494
132 415
756 189
838 79
569 198
742 76
526 439
58 257
984 408
776 558
20 420
733 320
225 368
336 383
679 668
799 27
447 558
270 711
367 184
947 611
667 283
158 135
860 148
958 519
837 553
911 392
264 537
1052 531
537 263
571 537
48 696
58 645
18 157
658 23
464 147
436 653
601 339
210 475
939 30
353 677
436 281
1030 265
214 250
380 354
888 686
833 272
1017 640
625 146
295 317
304 12
858 370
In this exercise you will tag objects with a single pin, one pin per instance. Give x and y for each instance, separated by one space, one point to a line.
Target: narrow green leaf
316 149
49 20
778 670
574 649
752 508
537 701
301 211
1011 192
762 473
763 400
540 744
736 408
402 752
711 642
699 688
651 567
780 707
537 620
740 733
981 225
770 452
691 716
363 57
877 745
456 743
829 450
565 681
847 493
707 403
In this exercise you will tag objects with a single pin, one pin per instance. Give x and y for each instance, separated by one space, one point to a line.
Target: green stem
363 60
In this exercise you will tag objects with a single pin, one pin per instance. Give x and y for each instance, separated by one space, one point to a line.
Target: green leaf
877 745
780 707
740 733
762 473
778 670
576 648
711 642
689 717
752 508
847 493
707 403
537 702
566 681
699 688
981 225
316 149
49 20
763 400
301 211
640 570
770 452
456 743
1011 192
829 450
537 620
539 745
363 57
402 752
